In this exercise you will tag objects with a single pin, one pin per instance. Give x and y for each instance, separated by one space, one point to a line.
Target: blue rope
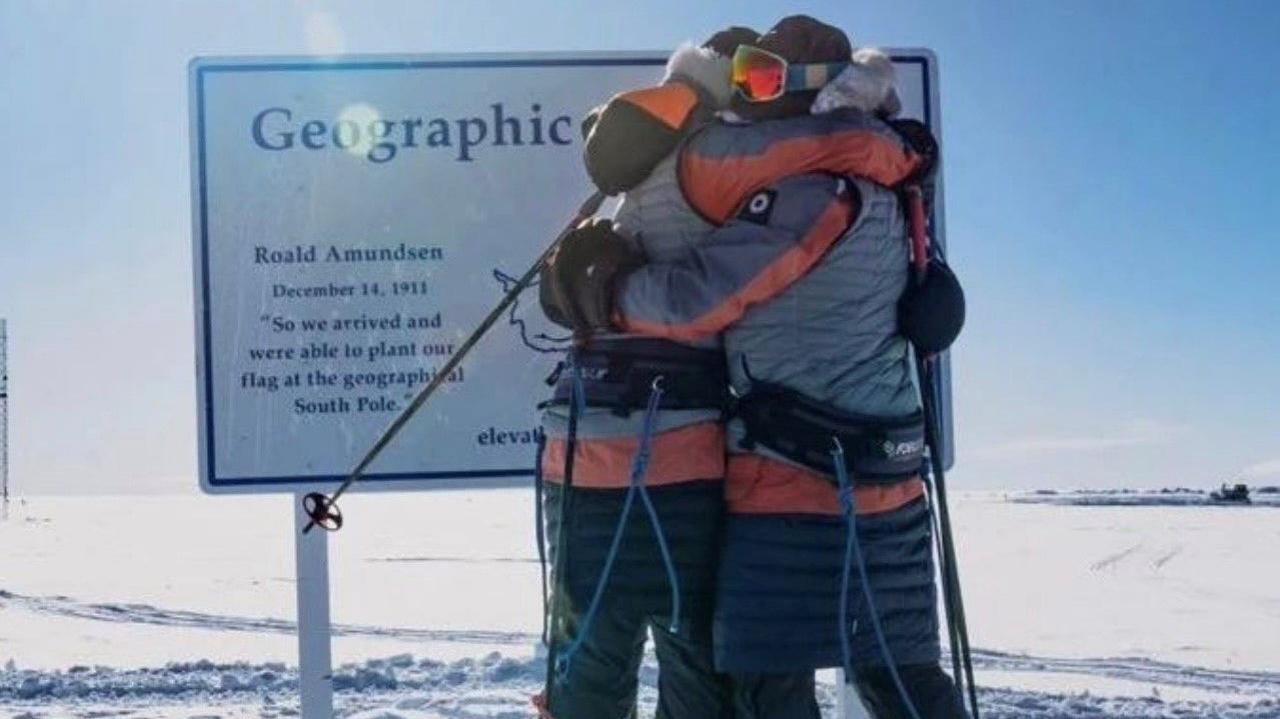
639 467
540 533
563 661
576 403
579 393
847 506
638 470
852 554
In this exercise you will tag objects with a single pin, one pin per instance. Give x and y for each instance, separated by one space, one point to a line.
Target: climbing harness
880 451
620 372
322 509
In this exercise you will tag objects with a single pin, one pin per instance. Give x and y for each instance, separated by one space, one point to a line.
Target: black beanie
726 42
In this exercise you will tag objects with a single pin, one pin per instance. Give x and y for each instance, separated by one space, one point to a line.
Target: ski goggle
761 76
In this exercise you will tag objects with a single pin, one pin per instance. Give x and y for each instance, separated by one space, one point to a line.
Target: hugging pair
735 443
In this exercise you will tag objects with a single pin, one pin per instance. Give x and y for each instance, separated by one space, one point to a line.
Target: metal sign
353 219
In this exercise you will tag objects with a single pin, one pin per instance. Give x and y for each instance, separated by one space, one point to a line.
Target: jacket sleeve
781 233
635 130
724 164
632 132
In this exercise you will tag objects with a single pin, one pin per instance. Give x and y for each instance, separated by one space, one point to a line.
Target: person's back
833 335
660 579
804 280
820 334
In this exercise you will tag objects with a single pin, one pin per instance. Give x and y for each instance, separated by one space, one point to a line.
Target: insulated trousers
601 679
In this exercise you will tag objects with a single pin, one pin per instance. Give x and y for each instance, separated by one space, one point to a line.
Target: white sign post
353 220
315 667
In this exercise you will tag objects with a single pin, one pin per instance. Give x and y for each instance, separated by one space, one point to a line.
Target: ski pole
565 515
957 625
323 509
950 571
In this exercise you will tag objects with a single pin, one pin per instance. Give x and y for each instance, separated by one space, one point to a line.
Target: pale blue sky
1111 176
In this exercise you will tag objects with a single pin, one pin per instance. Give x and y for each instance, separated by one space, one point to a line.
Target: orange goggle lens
759 75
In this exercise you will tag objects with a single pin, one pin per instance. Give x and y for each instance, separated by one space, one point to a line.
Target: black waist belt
876 450
619 374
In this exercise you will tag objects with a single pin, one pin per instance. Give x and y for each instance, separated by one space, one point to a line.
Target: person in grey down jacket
801 276
594 654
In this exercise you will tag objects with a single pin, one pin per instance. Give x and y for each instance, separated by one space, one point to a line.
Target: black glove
919 139
578 280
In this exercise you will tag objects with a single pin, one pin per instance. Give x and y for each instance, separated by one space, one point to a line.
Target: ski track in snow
147 614
498 687
1167 557
1137 670
1111 561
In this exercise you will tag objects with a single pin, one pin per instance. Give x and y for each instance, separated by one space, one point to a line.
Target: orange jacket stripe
717 186
671 103
772 281
680 455
760 485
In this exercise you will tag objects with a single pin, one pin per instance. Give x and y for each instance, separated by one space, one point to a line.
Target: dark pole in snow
4 416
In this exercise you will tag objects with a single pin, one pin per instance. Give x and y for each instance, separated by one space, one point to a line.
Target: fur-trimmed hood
867 85
705 69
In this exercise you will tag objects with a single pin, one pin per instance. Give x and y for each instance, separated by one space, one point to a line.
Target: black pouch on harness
619 374
931 311
877 450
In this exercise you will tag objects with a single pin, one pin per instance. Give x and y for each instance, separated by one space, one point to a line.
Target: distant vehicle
1238 494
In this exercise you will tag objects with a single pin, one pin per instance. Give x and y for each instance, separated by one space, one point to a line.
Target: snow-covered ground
183 606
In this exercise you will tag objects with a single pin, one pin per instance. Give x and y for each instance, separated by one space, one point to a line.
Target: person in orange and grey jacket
634 494
802 276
